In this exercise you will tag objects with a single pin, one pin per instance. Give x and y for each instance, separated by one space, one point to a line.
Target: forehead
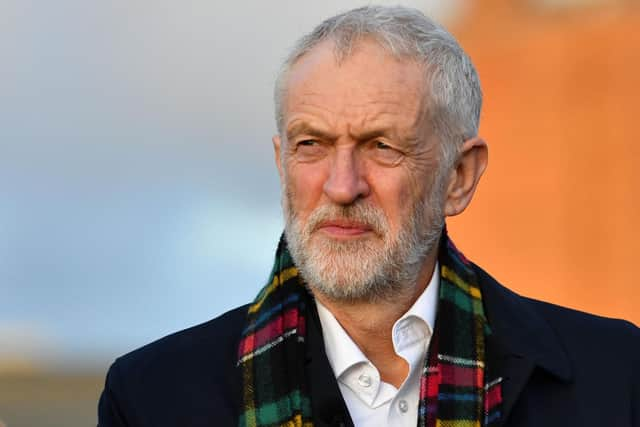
369 81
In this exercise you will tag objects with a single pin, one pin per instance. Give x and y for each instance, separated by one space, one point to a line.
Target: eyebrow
371 134
306 129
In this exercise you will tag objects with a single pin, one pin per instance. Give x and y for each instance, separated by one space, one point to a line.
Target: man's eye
307 143
385 154
308 150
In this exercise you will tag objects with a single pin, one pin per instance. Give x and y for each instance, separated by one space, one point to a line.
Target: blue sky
138 194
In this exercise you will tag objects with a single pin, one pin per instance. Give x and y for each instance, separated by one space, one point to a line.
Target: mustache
362 213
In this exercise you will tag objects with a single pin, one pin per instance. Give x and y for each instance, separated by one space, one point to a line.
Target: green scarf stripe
460 299
278 412
455 294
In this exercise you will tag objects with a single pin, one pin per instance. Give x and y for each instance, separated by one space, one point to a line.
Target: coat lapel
522 341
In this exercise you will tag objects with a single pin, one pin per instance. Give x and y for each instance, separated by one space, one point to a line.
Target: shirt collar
343 353
423 309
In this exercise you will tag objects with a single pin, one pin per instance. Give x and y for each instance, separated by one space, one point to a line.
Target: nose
346 182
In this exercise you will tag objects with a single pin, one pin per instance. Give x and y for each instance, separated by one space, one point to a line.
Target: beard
372 268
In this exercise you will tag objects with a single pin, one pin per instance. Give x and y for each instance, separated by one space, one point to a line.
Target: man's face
362 196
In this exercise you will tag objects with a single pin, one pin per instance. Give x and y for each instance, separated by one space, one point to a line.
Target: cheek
393 193
304 183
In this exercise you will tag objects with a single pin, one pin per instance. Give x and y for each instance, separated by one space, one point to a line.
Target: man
371 316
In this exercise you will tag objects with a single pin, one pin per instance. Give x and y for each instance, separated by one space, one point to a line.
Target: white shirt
370 401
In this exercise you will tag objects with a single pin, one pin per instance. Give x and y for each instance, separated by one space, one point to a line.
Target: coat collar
520 330
522 340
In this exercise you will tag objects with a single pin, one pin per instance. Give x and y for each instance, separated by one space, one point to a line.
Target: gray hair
454 97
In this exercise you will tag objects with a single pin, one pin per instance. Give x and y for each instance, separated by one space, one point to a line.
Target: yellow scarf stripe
457 423
451 276
297 422
277 281
249 397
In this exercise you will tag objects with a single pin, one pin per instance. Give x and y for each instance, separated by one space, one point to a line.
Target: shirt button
364 380
403 406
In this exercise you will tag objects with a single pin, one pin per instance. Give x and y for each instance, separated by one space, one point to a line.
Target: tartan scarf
457 387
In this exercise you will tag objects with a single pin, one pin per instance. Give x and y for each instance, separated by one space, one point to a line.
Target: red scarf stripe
493 397
272 330
460 376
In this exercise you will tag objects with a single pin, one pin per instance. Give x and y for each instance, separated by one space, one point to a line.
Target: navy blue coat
561 368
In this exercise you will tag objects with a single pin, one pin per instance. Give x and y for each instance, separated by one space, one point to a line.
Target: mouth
344 228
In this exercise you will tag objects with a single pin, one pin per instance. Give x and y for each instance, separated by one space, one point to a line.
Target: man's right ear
277 153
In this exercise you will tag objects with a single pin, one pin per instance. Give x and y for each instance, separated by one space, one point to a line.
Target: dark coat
561 368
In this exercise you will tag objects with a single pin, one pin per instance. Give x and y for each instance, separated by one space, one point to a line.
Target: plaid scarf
457 388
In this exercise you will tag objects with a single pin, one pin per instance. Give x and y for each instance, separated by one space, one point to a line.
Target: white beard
372 268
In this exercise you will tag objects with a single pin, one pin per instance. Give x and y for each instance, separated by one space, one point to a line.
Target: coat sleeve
110 409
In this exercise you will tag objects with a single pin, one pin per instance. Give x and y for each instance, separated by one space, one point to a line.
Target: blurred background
136 170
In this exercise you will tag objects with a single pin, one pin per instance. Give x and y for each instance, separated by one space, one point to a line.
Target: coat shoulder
560 318
565 319
584 337
188 373
215 340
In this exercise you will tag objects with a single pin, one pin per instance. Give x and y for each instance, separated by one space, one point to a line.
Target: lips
344 228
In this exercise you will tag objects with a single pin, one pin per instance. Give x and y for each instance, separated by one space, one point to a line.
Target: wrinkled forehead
328 55
368 75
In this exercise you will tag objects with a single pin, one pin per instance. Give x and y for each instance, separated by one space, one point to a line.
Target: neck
370 323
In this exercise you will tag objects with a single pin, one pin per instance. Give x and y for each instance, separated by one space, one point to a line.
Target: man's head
377 112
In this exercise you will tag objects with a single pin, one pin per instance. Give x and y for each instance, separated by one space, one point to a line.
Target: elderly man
371 316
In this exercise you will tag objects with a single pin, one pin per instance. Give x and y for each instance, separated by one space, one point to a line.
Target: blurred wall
557 216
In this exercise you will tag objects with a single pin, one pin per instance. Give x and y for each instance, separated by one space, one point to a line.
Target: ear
276 151
465 175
